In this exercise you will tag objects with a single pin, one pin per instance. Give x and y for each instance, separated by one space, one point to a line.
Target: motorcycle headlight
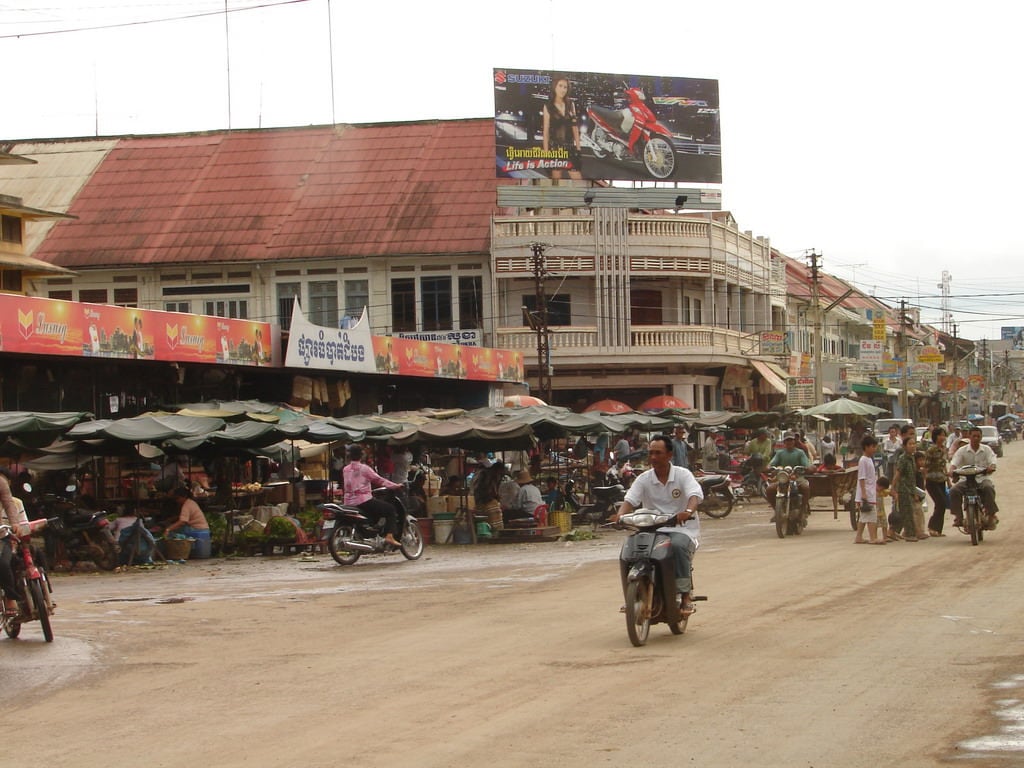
644 519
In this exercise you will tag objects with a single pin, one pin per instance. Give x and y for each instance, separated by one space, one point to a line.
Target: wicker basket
176 549
563 520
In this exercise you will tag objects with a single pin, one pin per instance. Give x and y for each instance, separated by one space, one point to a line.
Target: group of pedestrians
912 473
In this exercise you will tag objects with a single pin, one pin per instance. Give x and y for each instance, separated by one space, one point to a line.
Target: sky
882 135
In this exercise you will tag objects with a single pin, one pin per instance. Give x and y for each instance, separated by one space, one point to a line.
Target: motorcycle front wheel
336 545
412 542
781 515
971 515
638 619
39 601
659 157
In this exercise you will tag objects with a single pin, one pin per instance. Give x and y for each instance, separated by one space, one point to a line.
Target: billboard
582 125
1014 334
35 325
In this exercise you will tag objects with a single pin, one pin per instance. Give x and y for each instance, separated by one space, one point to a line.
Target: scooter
82 533
790 510
350 534
35 603
647 569
631 135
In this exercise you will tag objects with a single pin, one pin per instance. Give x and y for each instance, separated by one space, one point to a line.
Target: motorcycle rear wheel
104 554
11 624
412 542
781 516
638 621
336 545
39 601
659 157
971 519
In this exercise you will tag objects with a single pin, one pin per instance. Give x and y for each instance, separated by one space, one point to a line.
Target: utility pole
817 322
985 369
954 412
541 324
904 354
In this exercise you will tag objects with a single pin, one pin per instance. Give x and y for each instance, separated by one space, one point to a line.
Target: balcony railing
648 341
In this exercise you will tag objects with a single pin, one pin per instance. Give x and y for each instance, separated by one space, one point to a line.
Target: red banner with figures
35 325
409 357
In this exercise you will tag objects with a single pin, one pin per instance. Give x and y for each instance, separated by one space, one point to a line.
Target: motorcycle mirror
27 487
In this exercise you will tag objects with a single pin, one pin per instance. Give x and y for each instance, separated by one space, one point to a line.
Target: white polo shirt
669 498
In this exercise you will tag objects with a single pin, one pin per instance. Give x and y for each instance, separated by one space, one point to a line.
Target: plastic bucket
443 531
426 529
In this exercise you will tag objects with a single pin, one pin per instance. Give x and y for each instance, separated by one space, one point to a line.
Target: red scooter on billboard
631 135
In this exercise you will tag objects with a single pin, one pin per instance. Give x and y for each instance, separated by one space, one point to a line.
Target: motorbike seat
607 489
615 118
712 481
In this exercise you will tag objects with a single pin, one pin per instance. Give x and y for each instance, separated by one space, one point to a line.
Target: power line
141 22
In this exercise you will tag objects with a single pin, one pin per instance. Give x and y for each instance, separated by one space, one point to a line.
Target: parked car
881 427
990 437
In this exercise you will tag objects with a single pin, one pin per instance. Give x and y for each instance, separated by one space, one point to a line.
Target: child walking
867 496
883 519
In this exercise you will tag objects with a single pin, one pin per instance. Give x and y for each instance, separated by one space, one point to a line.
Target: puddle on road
1009 741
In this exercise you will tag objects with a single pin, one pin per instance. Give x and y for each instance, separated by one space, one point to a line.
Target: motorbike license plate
328 524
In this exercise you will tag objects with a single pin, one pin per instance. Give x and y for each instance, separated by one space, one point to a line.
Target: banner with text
34 325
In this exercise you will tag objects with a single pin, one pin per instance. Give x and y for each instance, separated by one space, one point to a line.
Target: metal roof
298 193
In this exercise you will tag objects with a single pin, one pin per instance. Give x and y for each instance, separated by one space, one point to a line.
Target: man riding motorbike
977 454
359 480
789 456
12 513
670 490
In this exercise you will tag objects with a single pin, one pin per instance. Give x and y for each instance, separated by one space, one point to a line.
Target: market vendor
191 520
529 497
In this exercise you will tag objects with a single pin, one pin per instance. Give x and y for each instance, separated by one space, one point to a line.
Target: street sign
800 391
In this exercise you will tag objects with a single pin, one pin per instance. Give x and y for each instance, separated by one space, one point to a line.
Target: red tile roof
297 193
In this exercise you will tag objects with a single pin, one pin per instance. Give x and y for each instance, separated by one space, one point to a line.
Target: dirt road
810 652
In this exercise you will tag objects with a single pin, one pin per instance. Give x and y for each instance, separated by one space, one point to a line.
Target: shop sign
773 343
354 349
800 391
871 352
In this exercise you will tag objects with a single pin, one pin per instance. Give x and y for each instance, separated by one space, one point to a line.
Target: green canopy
32 430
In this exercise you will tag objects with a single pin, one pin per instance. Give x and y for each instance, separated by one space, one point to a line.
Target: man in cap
790 456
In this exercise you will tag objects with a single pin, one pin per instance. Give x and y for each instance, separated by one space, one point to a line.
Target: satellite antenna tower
947 314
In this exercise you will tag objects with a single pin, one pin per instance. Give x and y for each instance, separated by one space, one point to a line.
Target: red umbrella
609 406
663 403
522 401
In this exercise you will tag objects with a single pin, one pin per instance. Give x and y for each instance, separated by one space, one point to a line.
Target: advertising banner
355 349
583 125
773 343
34 325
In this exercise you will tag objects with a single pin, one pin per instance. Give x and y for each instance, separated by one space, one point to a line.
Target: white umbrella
843 407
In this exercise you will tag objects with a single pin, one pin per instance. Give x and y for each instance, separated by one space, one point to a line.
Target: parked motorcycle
647 568
977 519
606 502
790 510
751 480
82 533
350 534
632 135
718 496
35 603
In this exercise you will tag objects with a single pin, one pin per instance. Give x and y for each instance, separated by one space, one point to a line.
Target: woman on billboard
561 130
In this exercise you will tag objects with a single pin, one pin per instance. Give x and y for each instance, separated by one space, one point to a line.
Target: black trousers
375 509
6 570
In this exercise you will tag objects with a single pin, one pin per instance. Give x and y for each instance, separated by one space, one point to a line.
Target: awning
869 389
775 378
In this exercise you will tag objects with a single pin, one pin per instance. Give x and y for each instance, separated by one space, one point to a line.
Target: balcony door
645 307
